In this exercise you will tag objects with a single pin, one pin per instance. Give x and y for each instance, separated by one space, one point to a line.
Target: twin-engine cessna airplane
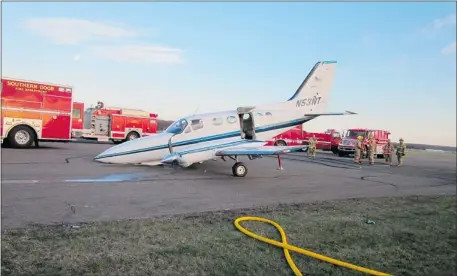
240 132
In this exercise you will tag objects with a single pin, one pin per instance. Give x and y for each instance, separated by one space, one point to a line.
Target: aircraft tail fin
313 94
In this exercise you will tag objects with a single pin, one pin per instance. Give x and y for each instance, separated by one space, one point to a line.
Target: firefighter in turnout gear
401 151
371 148
312 146
388 151
358 150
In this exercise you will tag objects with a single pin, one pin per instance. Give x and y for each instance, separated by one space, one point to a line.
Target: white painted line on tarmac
18 181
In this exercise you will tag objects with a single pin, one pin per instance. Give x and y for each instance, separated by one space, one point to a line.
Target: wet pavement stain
109 178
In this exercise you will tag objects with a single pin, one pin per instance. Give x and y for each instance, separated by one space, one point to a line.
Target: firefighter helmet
360 137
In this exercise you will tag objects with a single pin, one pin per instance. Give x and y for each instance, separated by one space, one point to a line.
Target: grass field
411 236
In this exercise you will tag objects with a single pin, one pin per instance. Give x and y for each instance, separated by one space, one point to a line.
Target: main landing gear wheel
239 169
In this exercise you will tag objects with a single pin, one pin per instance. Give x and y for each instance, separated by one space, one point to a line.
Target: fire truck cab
111 123
349 139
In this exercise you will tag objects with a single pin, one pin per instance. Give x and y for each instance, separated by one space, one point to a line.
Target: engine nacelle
176 158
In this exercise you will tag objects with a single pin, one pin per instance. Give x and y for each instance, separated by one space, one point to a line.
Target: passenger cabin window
196 124
246 116
76 113
231 119
218 121
268 114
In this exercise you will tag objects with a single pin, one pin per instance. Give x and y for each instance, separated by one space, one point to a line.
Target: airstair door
247 126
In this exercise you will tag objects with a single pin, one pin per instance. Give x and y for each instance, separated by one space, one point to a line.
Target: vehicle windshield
177 127
355 133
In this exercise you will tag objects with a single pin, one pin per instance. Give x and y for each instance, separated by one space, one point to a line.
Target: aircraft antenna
195 112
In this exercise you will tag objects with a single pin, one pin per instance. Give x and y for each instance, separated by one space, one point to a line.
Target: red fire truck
327 141
33 111
111 123
347 144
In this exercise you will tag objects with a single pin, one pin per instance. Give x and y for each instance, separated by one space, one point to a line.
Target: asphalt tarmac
59 183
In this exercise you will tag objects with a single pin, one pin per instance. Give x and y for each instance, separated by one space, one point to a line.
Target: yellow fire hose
286 247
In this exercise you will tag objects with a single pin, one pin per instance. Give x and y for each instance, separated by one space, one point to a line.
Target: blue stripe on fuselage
224 145
208 138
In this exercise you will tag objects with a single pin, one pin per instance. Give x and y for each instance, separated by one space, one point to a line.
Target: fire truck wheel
21 137
280 143
132 136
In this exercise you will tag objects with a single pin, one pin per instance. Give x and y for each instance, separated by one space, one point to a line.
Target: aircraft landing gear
280 163
239 169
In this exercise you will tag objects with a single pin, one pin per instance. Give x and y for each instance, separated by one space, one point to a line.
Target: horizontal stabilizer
331 113
262 150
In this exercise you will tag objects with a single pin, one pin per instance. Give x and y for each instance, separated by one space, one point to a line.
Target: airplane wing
331 113
261 150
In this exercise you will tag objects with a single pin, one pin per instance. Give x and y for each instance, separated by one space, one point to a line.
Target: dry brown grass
412 236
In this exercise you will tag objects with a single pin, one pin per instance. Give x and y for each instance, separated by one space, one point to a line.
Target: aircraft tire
280 143
239 169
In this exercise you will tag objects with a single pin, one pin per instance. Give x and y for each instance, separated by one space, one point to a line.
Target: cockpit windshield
354 133
177 127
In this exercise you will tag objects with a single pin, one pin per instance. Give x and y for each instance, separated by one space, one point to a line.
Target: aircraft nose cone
101 156
135 151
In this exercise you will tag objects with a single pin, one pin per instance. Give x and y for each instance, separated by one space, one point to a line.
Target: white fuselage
201 136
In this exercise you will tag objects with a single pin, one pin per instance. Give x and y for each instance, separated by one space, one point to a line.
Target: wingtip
350 112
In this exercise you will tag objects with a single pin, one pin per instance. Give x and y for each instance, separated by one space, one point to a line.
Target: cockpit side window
188 129
196 124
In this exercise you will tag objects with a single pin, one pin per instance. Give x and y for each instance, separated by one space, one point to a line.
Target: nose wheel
239 169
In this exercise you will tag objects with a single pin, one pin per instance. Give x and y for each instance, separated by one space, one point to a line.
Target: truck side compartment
326 141
117 124
33 111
